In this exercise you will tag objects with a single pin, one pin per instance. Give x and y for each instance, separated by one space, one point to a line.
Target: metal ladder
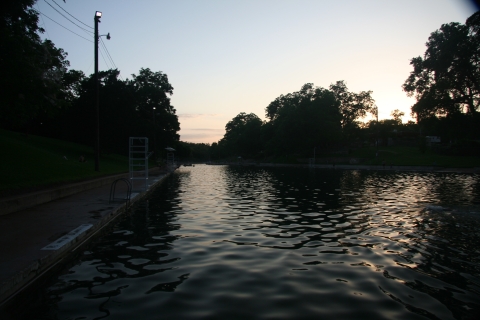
113 189
138 160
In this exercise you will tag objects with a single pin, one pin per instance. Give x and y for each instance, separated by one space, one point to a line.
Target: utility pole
97 17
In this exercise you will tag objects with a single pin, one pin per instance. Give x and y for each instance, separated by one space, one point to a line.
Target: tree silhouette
32 70
445 80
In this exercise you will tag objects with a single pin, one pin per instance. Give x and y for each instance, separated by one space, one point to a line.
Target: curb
22 202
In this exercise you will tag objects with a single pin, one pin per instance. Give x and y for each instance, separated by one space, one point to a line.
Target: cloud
202 127
203 135
197 115
211 130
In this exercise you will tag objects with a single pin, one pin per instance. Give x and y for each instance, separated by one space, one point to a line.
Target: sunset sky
224 57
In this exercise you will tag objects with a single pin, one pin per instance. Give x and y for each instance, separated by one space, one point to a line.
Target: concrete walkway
33 240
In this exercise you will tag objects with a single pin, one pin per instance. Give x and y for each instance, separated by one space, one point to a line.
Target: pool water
220 242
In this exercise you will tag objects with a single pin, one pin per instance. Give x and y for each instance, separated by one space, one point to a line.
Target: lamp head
98 14
108 36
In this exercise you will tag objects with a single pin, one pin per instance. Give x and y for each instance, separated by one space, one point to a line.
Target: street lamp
96 19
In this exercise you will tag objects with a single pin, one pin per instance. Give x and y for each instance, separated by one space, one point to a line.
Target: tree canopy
137 107
244 133
353 106
304 119
298 122
446 80
32 69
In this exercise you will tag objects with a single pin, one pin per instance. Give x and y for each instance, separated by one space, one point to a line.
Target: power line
64 26
101 53
109 56
91 62
112 64
104 49
108 53
71 15
105 56
88 31
67 18
43 21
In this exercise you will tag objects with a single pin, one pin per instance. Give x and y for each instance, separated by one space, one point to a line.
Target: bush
464 148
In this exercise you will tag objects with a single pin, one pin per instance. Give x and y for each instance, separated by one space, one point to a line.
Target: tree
192 152
126 110
397 116
302 120
152 90
446 80
32 70
298 122
243 135
353 106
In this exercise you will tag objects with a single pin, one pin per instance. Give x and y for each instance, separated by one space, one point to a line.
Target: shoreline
359 167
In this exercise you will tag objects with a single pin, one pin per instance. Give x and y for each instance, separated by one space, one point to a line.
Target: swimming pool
219 242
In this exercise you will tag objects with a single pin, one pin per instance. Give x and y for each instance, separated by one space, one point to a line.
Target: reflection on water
284 243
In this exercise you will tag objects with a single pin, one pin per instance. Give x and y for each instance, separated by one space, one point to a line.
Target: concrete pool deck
36 238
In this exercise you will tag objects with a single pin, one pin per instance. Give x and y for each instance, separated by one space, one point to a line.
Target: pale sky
224 57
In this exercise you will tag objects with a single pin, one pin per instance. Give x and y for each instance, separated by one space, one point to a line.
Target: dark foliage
313 117
32 70
446 80
132 108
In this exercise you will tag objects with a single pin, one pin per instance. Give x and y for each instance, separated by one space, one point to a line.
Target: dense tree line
139 107
41 96
298 122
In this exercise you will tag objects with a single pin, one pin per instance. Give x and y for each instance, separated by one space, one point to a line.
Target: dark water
217 242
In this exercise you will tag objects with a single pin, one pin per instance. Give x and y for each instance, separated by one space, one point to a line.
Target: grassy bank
412 156
30 162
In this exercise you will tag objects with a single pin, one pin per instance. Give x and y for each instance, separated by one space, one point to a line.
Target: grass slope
31 162
411 156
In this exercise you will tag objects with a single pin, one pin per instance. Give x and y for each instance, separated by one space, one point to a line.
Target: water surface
220 242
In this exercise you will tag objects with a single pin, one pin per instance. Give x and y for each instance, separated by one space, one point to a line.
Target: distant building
431 140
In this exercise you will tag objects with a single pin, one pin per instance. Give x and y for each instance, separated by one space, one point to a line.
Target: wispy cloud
202 127
198 115
202 135
206 130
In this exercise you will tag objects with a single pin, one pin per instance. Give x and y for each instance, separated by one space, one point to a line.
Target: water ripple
223 242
